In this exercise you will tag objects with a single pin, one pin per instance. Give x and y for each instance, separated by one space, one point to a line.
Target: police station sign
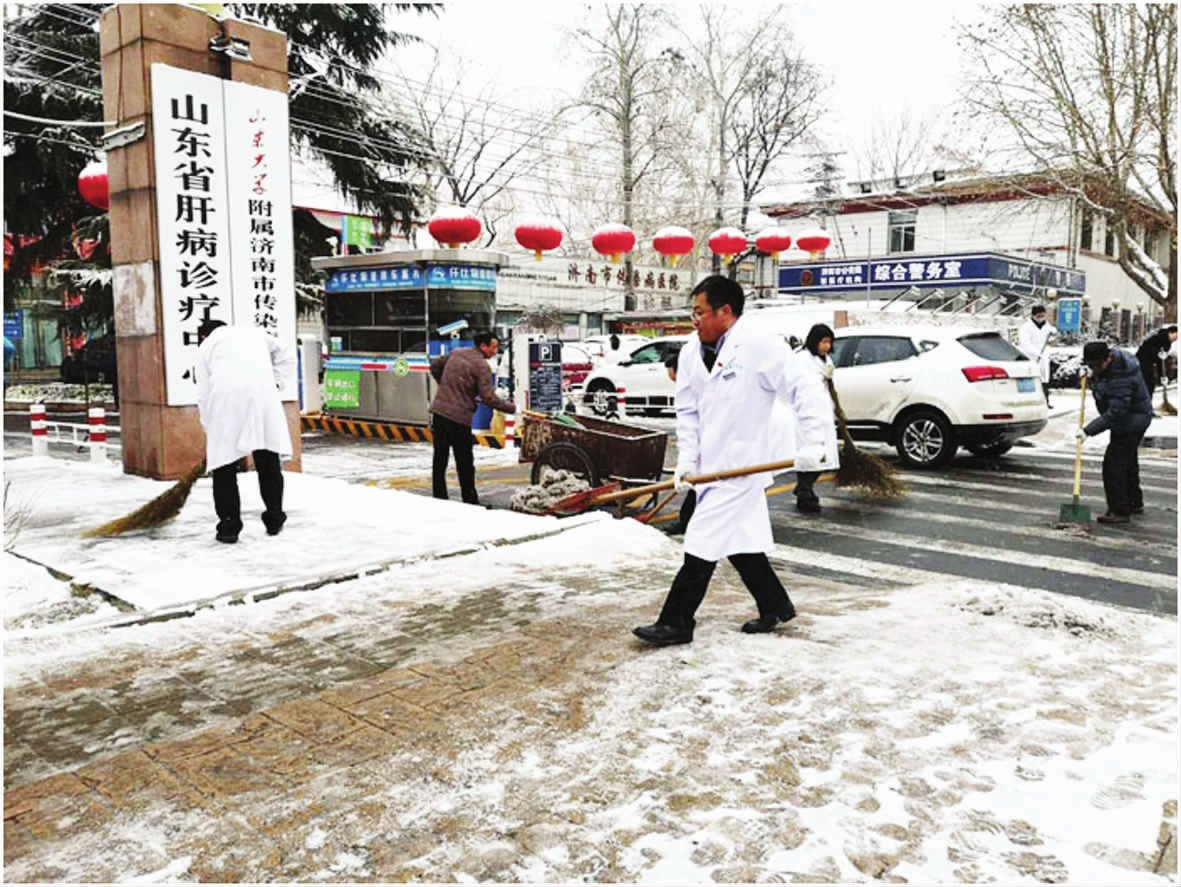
223 204
979 269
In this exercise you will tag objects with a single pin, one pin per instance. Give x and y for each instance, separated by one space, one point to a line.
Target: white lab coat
783 420
239 370
725 420
1032 341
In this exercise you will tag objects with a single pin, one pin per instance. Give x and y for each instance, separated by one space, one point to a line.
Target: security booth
389 314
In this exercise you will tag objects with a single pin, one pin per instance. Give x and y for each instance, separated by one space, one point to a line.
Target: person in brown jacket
462 375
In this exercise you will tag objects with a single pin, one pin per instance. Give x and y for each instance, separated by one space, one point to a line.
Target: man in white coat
240 371
1032 339
728 379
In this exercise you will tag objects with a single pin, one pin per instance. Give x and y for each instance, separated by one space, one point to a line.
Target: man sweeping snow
239 374
728 378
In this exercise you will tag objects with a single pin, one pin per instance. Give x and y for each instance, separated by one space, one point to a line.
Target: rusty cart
607 454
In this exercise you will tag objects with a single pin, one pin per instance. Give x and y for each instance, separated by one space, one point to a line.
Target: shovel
1074 513
611 493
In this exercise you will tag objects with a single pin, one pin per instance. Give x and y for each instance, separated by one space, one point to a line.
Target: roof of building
959 186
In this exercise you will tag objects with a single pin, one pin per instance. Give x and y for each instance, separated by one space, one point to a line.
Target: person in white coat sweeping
1032 338
240 371
728 378
814 358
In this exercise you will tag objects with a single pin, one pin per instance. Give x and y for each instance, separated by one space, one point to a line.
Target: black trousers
1149 372
227 503
450 435
692 580
805 486
1121 472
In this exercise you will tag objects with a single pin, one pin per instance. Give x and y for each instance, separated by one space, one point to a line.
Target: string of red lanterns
94 186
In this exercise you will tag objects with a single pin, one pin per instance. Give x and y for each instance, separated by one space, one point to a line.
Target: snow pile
57 392
555 486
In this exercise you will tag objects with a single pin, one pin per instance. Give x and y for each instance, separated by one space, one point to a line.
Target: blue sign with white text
410 277
1070 315
14 324
928 272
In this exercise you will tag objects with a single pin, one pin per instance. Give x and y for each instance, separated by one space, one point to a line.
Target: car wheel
600 397
990 450
925 439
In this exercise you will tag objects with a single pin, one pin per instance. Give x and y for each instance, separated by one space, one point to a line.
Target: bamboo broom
864 471
163 508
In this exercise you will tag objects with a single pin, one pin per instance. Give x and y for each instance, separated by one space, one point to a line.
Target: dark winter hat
818 332
1095 352
1037 309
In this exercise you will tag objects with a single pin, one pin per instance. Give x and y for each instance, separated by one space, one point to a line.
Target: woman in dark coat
1125 409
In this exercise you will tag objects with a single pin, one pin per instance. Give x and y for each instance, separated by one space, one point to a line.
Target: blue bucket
482 420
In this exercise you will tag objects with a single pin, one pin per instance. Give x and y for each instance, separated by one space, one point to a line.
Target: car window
991 346
669 349
843 349
647 354
882 349
928 345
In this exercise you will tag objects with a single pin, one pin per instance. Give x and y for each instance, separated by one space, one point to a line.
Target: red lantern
727 242
814 240
539 235
93 185
673 242
772 241
454 225
613 240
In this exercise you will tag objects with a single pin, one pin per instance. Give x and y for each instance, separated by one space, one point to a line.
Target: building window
1108 240
902 225
1086 231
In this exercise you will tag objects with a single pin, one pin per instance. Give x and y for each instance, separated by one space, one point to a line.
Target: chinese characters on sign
193 218
223 192
612 276
259 177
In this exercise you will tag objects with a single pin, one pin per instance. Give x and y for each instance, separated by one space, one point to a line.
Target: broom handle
693 479
1078 445
842 422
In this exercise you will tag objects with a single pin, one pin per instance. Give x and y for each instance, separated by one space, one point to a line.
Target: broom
164 507
1166 408
865 471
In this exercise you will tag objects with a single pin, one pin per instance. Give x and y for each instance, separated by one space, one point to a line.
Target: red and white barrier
510 431
39 429
96 417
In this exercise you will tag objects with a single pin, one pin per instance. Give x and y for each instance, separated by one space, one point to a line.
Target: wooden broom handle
693 479
1078 449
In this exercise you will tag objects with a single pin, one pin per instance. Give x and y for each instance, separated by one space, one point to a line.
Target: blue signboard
410 277
14 324
928 272
1070 315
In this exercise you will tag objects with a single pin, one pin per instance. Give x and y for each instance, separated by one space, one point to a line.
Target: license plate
1026 385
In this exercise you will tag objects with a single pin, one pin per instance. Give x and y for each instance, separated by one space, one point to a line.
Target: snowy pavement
471 706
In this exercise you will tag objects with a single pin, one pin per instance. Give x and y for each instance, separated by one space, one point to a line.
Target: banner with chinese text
259 178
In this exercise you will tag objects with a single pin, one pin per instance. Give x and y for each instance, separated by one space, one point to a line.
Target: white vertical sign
188 141
259 182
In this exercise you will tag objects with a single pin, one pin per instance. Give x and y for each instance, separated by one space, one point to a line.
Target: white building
1027 216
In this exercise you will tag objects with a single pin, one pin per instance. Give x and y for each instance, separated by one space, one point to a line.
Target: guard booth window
448 306
902 225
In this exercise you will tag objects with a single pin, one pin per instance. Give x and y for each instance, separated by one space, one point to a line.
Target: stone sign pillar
160 440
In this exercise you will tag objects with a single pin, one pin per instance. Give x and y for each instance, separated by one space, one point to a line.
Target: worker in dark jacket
1125 410
1151 352
462 376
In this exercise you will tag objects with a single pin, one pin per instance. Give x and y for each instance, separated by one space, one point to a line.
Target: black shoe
274 526
1111 518
808 506
227 537
1137 509
660 635
764 624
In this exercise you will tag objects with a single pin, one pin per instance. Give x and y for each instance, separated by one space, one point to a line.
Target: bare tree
473 152
898 147
778 105
629 89
1089 93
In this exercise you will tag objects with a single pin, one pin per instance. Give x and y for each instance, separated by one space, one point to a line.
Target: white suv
929 390
642 378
